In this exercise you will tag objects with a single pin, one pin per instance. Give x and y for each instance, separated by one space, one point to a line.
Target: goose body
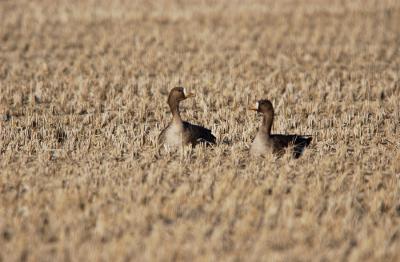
172 135
277 144
265 142
178 132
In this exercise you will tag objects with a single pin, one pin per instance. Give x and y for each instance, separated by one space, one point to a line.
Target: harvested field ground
83 89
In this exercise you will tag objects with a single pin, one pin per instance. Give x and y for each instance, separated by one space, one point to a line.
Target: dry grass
82 100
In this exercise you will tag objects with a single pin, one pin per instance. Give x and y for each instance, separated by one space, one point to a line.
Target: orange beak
254 108
190 95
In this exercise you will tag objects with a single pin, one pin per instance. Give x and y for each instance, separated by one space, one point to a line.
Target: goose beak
253 108
190 95
187 95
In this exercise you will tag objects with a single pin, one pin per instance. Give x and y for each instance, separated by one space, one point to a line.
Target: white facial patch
184 91
257 105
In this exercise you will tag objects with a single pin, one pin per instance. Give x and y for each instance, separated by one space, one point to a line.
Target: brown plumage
265 142
179 132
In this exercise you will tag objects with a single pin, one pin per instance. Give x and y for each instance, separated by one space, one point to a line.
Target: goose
179 133
265 142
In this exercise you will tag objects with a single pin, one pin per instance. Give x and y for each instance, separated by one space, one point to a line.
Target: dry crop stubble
83 88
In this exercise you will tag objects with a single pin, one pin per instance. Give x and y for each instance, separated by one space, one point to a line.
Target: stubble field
83 89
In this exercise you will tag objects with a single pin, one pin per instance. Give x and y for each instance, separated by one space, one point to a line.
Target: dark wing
298 142
197 134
